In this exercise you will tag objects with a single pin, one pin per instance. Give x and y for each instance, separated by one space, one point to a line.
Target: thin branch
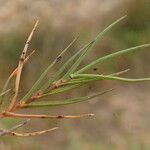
10 131
15 115
38 95
32 133
20 67
120 72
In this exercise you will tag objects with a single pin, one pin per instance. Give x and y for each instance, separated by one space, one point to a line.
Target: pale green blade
89 46
60 71
2 94
110 56
5 92
62 89
63 102
37 83
124 79
91 77
6 84
120 72
79 81
4 89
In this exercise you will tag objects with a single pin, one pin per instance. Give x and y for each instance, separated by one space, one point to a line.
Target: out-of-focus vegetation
122 120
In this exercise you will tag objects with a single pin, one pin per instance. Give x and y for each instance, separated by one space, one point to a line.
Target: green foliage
74 78
60 82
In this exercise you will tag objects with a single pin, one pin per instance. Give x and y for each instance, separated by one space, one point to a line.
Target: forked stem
20 67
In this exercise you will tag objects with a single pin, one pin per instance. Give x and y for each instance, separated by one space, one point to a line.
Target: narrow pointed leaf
37 83
110 56
79 81
90 45
125 79
64 102
92 77
59 72
12 75
120 72
62 89
2 94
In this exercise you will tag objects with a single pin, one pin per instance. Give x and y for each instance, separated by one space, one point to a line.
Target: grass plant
75 77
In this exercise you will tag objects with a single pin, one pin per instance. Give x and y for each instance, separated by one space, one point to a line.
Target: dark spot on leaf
95 69
58 58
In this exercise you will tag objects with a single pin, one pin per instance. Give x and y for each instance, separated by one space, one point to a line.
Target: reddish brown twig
20 67
26 59
15 115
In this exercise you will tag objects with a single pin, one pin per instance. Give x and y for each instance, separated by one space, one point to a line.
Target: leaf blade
37 83
65 102
59 72
110 56
92 77
90 45
61 89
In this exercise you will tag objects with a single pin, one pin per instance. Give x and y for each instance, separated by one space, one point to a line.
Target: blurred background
121 119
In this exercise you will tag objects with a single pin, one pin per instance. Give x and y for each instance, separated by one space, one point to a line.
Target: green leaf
37 83
4 89
89 46
60 71
5 92
2 94
61 89
110 56
94 77
63 102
